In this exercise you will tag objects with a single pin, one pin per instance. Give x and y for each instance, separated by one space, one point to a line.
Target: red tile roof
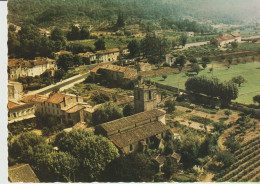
56 98
12 105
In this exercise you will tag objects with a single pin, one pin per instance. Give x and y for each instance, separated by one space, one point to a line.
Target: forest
51 12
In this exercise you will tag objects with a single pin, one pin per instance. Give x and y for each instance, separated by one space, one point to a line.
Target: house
57 54
88 57
190 34
145 66
45 32
15 90
109 55
113 73
24 68
134 132
22 173
227 39
18 112
170 59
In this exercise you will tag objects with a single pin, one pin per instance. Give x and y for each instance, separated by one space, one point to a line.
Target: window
150 95
14 115
131 147
52 105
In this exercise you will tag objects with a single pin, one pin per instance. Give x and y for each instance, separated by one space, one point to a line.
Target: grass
250 71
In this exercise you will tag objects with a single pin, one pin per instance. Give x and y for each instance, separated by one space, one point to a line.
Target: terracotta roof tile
56 98
137 134
108 51
144 64
12 105
131 120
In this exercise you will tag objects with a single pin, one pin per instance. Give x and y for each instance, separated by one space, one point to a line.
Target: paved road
61 85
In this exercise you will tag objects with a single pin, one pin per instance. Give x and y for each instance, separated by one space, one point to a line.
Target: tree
57 35
219 126
232 144
120 20
238 60
170 166
128 110
234 45
100 44
60 167
230 59
134 167
65 61
22 146
164 77
204 65
195 68
181 60
193 60
183 39
239 80
133 47
256 99
205 60
92 152
84 33
170 105
226 158
107 112
74 34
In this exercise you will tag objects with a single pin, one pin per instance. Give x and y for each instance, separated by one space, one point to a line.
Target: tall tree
74 34
256 99
120 20
183 39
239 80
133 47
100 44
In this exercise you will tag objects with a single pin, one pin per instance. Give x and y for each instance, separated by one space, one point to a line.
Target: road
194 44
65 84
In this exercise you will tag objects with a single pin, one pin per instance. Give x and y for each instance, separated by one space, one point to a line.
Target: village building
145 66
22 173
70 108
227 39
88 57
113 73
190 34
145 97
18 112
170 59
15 90
109 55
57 54
25 68
134 133
45 32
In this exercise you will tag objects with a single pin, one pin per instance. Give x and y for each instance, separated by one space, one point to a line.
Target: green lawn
250 71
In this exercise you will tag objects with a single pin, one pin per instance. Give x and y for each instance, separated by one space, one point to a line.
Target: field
250 71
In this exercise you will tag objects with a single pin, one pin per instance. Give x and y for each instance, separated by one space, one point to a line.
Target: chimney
64 101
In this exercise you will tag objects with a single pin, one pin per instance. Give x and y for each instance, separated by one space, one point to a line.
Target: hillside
57 12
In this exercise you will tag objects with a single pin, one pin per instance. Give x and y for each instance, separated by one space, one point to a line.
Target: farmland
250 71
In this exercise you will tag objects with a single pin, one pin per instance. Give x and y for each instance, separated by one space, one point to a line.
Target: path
65 84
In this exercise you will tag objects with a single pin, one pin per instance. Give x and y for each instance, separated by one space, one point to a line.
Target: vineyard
247 167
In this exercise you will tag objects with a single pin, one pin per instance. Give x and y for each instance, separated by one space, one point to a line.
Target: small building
24 68
18 112
15 90
88 57
109 55
170 59
67 106
190 34
45 32
113 73
22 173
134 132
145 66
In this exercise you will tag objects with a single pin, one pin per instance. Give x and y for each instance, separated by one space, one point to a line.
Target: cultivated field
250 71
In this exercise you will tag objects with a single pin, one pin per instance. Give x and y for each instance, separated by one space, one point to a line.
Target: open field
250 71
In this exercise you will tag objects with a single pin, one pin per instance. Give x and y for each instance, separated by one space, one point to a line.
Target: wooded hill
45 13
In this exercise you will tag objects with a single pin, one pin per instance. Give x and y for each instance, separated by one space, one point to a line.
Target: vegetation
107 112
